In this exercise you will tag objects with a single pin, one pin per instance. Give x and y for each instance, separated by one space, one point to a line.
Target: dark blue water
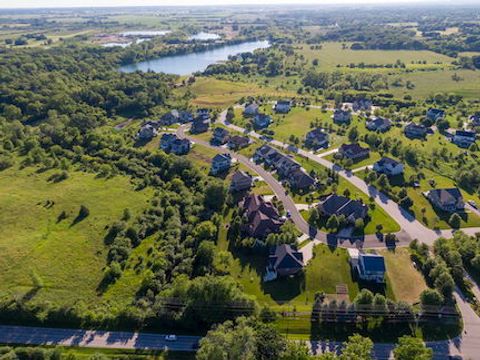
190 63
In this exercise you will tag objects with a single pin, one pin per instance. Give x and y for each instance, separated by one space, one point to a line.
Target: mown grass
67 256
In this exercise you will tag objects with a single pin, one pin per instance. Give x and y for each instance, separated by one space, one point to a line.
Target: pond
189 63
203 36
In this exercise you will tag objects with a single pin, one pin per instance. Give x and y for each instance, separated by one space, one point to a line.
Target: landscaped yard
67 256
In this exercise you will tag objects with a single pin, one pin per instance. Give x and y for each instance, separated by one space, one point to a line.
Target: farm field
66 256
332 54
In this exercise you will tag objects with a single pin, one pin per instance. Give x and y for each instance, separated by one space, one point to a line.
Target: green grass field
210 92
332 54
68 257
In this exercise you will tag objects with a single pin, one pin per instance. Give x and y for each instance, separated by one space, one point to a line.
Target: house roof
239 140
341 205
352 148
220 132
436 111
284 102
446 196
415 127
251 107
253 203
240 175
301 179
387 161
317 133
378 121
284 257
373 262
221 157
470 134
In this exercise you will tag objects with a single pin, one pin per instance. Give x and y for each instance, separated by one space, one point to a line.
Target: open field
430 83
211 92
67 256
332 54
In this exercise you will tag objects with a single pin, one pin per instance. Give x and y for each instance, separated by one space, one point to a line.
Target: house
264 153
378 123
199 125
464 138
316 139
354 152
203 114
250 110
449 200
299 179
282 106
285 165
241 181
237 142
283 261
341 116
475 120
220 163
435 114
176 116
413 130
362 105
341 205
388 166
262 218
170 143
261 121
180 146
220 136
371 267
147 132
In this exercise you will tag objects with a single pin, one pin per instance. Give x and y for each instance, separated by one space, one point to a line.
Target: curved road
411 227
368 241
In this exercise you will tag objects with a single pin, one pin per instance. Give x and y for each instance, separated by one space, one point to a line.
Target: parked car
171 338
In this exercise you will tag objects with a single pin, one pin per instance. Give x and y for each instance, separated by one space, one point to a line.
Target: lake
189 63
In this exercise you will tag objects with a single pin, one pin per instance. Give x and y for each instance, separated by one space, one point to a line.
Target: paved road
94 338
411 227
368 241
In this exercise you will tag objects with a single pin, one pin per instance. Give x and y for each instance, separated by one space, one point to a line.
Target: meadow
332 54
45 258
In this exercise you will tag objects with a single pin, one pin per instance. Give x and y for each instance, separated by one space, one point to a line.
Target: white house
388 167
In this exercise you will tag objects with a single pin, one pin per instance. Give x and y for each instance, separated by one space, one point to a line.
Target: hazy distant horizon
25 4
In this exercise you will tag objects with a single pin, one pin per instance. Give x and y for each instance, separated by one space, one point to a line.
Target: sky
112 3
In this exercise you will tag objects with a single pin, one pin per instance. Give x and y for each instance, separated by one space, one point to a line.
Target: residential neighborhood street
411 228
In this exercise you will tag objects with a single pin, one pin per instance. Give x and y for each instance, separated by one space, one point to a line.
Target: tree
455 221
364 297
412 348
215 195
332 222
269 343
431 297
444 284
203 261
296 351
353 134
357 348
228 341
